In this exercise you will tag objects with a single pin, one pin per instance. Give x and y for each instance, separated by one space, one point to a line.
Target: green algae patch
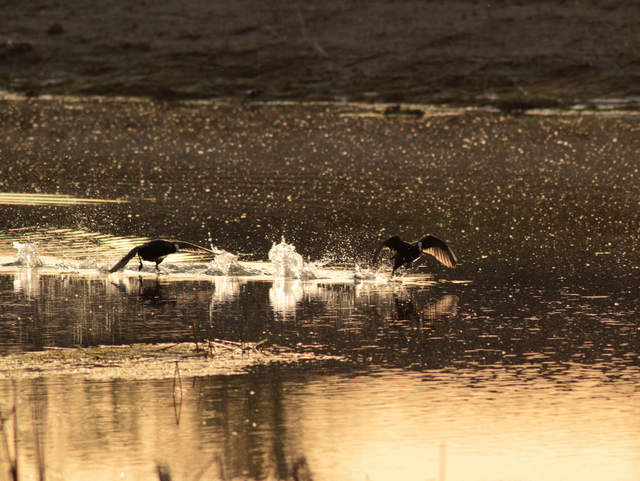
149 361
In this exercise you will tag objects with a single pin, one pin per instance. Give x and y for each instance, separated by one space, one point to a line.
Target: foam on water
27 254
288 264
364 274
227 264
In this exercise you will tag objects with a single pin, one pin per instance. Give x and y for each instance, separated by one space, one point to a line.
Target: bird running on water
405 253
156 251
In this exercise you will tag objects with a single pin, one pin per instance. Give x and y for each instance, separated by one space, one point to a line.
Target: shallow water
520 364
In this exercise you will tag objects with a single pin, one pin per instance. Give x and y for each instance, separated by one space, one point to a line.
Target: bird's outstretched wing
188 246
438 249
123 262
393 243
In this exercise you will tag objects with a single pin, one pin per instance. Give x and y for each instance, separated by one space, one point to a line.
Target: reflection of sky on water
495 424
27 281
284 295
554 422
225 289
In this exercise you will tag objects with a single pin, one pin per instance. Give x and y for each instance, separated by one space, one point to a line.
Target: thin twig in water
233 343
220 462
300 470
38 441
164 473
195 336
260 343
14 467
5 443
204 469
166 348
177 405
12 460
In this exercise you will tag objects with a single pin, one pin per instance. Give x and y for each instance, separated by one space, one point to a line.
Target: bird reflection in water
147 289
447 305
408 334
151 290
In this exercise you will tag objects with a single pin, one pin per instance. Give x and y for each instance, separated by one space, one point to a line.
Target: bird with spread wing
405 253
156 251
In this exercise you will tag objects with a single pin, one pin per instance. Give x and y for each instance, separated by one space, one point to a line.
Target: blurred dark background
512 54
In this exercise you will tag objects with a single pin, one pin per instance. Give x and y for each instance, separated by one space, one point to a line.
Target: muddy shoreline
510 54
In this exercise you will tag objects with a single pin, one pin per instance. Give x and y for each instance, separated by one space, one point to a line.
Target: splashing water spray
288 264
27 254
227 263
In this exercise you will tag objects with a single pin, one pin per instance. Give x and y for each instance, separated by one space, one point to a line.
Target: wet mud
138 362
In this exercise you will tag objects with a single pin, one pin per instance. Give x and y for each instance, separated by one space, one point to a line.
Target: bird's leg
393 258
140 260
418 261
157 266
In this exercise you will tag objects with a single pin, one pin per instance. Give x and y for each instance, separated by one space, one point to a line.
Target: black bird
405 253
156 251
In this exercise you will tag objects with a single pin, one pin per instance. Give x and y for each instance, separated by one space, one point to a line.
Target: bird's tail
123 262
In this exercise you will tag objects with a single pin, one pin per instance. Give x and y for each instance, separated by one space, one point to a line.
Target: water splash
27 254
364 274
288 264
227 264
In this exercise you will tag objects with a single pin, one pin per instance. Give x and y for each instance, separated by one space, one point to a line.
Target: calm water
520 364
